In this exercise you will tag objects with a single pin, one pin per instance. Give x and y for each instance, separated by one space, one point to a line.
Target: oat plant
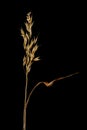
30 47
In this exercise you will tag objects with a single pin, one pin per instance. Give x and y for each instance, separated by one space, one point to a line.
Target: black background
58 26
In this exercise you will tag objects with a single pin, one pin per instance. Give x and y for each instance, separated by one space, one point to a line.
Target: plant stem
25 98
28 99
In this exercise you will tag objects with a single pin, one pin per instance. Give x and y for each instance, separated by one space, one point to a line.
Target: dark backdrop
58 26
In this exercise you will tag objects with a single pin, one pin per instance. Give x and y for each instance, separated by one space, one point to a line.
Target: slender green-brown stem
32 92
25 99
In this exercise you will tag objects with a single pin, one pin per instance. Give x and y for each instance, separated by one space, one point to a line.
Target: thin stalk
32 92
25 99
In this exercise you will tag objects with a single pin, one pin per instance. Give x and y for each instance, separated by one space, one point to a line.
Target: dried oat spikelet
29 44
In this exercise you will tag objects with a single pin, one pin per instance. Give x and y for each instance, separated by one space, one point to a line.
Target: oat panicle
29 44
